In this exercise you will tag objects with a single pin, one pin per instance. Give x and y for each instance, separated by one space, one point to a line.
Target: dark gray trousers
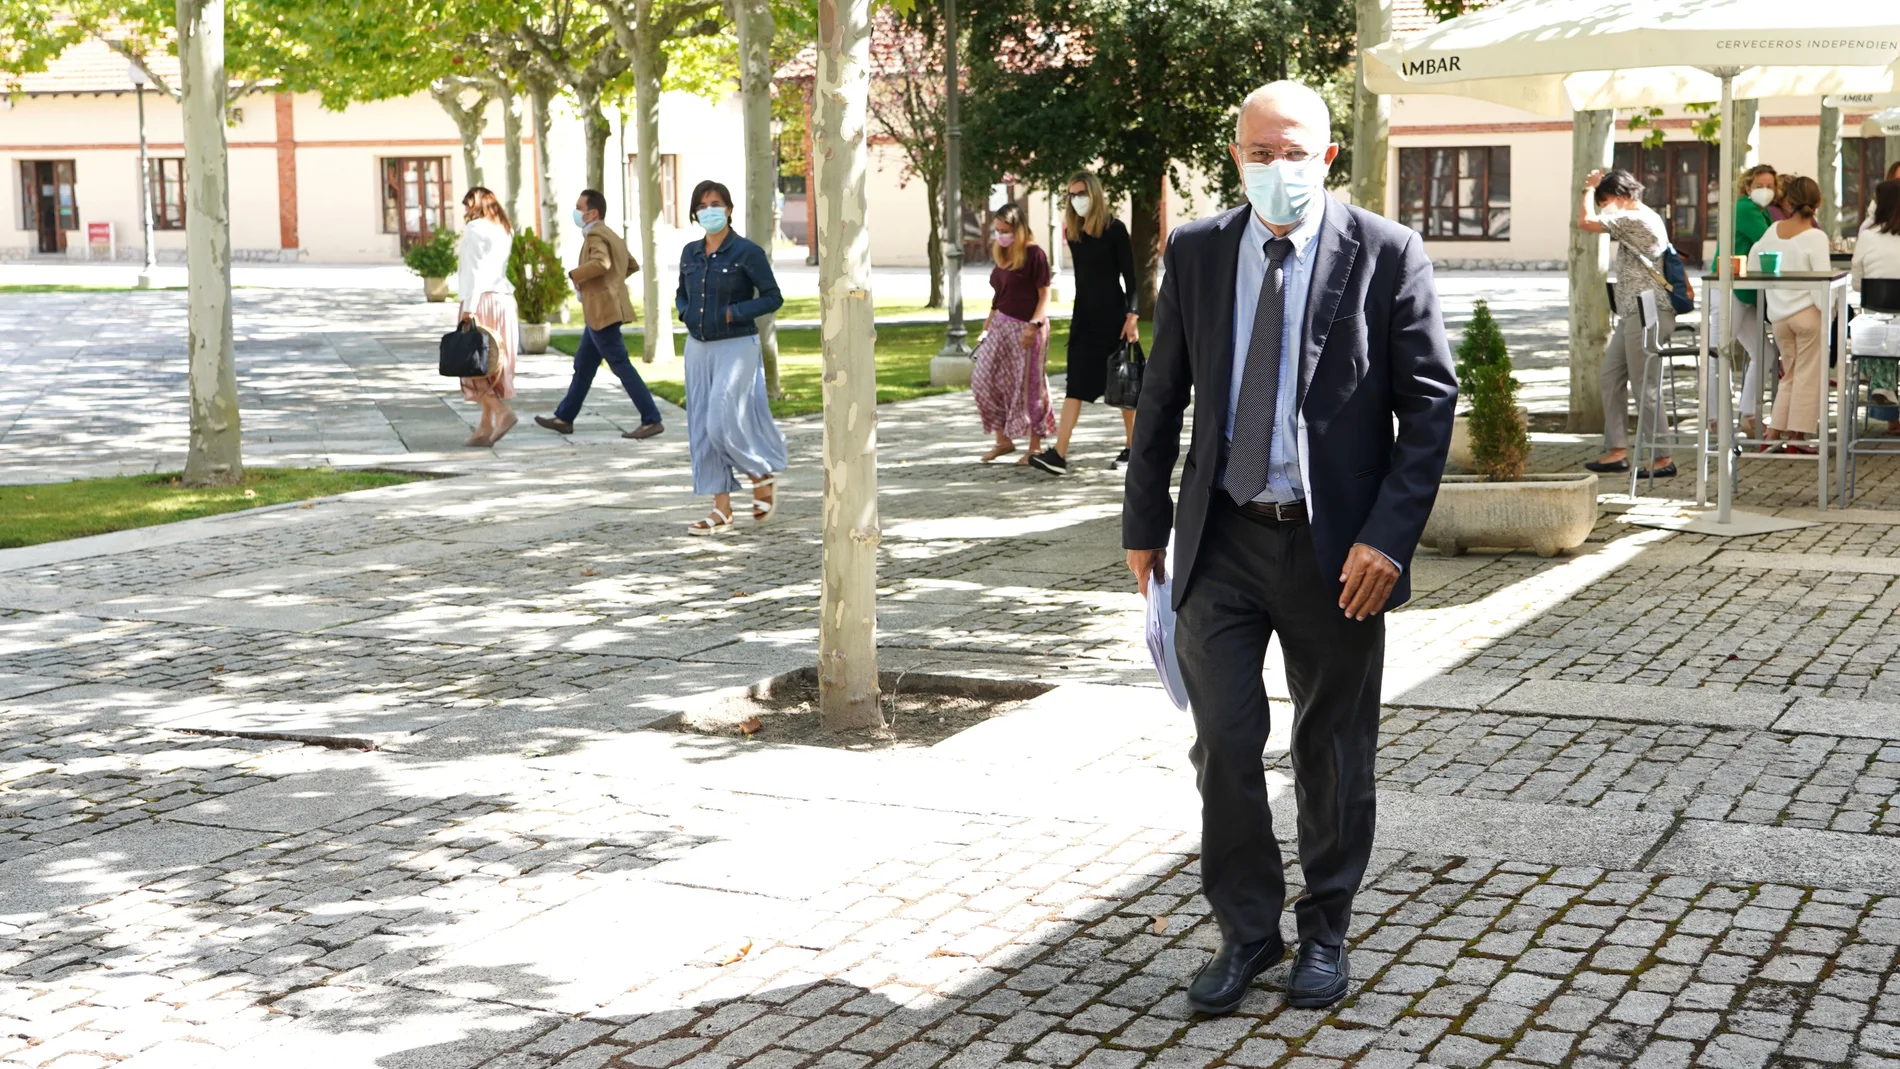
1255 579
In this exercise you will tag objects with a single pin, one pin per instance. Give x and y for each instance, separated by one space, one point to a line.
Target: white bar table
1834 321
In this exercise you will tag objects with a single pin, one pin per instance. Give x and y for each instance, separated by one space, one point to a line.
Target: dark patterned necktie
1252 447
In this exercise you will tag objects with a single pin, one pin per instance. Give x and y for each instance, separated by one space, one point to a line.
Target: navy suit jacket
1376 392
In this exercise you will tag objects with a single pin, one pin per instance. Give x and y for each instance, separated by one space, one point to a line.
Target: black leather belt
1275 512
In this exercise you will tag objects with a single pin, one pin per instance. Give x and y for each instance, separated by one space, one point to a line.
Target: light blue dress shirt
1283 473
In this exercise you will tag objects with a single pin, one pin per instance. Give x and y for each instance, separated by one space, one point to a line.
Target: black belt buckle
1276 511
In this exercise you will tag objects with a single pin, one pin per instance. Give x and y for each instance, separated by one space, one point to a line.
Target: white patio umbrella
1559 56
1882 123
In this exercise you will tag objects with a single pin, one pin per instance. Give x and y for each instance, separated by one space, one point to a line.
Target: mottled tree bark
511 152
1144 232
215 455
1827 171
1590 148
753 19
847 630
471 121
541 98
1371 113
649 66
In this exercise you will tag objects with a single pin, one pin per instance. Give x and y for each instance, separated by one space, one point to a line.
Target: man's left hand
1368 579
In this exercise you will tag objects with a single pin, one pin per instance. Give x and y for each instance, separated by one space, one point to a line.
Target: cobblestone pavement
378 782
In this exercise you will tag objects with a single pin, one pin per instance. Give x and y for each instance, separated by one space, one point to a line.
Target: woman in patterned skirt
1009 381
488 299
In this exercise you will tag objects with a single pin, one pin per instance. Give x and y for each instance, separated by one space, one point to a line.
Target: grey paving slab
1657 705
1814 562
392 1027
292 804
1452 690
15 685
1719 851
270 612
1513 831
582 955
63 878
1837 716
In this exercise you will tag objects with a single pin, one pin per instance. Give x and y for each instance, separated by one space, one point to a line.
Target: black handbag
464 353
1126 365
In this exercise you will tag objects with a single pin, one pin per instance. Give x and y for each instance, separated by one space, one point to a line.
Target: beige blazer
601 278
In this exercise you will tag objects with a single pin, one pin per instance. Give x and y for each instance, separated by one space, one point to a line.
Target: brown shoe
644 430
554 423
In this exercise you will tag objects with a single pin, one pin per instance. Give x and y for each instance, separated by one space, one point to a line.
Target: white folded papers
1160 629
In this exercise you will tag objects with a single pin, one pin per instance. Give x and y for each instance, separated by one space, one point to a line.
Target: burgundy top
1016 291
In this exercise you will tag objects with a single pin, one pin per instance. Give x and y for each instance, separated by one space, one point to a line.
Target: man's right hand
1146 562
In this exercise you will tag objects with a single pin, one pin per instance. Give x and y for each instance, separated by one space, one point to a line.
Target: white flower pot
436 289
1545 513
534 337
1460 457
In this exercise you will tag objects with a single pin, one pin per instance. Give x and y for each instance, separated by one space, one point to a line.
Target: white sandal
762 510
701 527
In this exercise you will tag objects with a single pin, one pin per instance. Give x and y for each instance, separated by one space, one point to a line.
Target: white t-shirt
1806 251
483 253
1876 254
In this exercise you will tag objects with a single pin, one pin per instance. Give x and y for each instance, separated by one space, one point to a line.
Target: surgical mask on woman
1762 197
1281 191
1005 239
1081 204
712 219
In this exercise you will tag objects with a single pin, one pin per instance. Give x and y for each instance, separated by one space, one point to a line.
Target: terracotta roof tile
90 67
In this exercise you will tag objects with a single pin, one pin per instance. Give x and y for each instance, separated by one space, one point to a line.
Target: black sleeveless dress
1104 295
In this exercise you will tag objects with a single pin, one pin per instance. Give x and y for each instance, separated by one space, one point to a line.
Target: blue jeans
597 345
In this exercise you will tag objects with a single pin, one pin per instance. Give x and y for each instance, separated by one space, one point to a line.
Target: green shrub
540 282
433 256
1499 444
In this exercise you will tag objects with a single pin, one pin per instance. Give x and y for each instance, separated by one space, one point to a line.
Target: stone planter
436 289
1460 457
1545 513
534 337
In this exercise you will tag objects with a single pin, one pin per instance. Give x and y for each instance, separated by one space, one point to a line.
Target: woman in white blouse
1796 316
1877 249
488 299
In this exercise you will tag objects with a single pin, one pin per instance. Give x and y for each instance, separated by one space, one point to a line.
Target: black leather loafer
1222 983
1319 978
1606 465
1665 471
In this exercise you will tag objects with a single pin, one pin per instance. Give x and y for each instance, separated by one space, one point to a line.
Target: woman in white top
1796 316
1877 249
1877 255
488 299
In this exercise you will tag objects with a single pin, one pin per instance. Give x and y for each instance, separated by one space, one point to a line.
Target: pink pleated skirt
495 313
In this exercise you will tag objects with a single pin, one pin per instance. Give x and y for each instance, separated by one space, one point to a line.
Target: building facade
306 183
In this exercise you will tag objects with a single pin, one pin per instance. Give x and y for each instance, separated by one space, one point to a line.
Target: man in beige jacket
601 281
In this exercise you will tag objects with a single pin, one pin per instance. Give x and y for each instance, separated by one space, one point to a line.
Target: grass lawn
48 512
903 364
807 307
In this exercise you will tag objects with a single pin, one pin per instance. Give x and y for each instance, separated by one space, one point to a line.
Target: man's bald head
1279 107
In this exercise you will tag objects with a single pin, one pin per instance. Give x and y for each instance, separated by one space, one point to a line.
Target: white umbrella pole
1724 292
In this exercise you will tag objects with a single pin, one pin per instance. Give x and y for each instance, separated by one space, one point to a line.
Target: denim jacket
737 278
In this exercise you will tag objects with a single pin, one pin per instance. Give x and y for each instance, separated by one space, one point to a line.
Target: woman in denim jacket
726 284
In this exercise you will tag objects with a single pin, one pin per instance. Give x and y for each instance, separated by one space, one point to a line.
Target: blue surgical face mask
579 219
712 220
1281 191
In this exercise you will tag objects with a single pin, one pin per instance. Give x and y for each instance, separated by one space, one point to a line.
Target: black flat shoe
1606 465
1222 983
1319 978
1667 471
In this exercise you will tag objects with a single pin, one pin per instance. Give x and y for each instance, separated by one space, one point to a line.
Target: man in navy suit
1307 336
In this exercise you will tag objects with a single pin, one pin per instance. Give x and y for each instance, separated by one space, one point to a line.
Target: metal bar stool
1878 297
1659 365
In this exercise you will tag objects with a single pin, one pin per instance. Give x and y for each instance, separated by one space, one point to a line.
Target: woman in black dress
1104 262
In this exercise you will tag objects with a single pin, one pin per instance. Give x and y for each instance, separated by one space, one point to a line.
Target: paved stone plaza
1640 805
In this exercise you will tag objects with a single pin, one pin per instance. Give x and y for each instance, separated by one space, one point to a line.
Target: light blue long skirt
728 418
